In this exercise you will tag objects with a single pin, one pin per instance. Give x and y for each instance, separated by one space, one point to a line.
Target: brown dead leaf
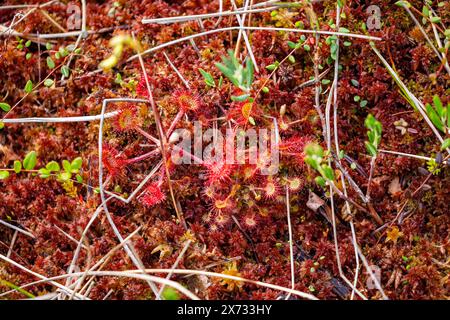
314 201
395 188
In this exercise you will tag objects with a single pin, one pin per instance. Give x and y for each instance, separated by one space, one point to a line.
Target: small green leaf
306 47
328 172
2 125
448 115
65 71
311 162
354 82
291 44
291 59
344 30
371 136
52 166
48 82
326 81
170 294
66 165
356 98
240 98
29 162
4 174
251 120
405 4
28 56
353 166
435 118
341 154
79 178
29 86
333 48
17 166
371 149
209 80
63 52
347 43
44 173
50 63
445 144
435 19
313 149
48 46
65 176
76 163
265 90
363 103
28 43
271 67
438 105
320 181
5 107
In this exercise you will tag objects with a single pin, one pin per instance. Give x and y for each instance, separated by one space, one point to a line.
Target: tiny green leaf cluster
69 168
300 42
28 163
240 76
374 134
52 168
439 115
315 159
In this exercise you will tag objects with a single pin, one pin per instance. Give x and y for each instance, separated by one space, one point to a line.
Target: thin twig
291 250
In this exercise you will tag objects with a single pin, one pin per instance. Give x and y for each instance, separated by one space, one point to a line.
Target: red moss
152 195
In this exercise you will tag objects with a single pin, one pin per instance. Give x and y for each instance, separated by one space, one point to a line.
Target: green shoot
439 115
374 135
315 159
241 76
